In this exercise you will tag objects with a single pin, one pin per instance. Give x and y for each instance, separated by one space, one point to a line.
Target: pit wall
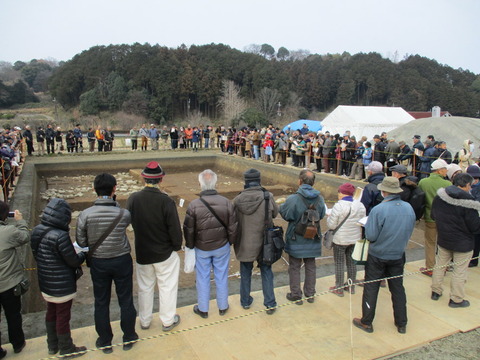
26 195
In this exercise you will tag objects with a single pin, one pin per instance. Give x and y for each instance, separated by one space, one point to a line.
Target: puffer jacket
291 211
456 214
11 238
250 208
54 252
202 230
94 221
371 196
350 231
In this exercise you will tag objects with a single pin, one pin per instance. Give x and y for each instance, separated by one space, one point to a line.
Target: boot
67 346
52 339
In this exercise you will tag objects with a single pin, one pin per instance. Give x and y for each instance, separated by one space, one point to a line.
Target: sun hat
390 184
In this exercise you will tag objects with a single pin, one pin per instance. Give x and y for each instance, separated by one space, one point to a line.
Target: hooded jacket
371 196
53 250
12 237
250 208
201 228
456 213
291 211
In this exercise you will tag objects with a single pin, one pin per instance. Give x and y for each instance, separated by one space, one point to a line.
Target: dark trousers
50 146
318 162
104 272
30 149
476 251
60 315
134 144
294 275
12 307
377 268
101 144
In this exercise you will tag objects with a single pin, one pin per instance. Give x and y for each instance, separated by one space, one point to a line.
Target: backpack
456 158
417 201
308 226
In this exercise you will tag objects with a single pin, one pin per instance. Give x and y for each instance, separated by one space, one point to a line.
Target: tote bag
360 252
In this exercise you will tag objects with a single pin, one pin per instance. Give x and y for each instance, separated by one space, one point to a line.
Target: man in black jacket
158 237
27 134
50 138
455 212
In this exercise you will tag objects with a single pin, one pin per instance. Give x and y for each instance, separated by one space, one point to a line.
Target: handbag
273 243
328 236
360 252
189 266
78 273
103 237
21 288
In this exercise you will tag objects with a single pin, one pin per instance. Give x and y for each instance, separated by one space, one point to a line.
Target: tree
136 103
230 102
267 51
267 100
254 118
283 53
90 102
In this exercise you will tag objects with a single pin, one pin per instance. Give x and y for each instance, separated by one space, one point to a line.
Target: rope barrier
350 285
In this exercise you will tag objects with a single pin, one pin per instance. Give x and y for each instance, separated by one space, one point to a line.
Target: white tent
365 120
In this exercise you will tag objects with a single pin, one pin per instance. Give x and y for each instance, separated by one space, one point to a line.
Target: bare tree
230 102
292 108
299 54
267 100
252 48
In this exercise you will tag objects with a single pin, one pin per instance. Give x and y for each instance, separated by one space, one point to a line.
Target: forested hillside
220 82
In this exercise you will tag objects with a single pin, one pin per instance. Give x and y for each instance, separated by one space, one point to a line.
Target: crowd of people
400 190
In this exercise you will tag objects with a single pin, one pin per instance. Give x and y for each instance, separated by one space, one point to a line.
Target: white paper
181 202
78 248
362 221
328 212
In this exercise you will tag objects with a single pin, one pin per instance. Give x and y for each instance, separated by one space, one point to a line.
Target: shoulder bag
328 236
214 213
273 243
99 242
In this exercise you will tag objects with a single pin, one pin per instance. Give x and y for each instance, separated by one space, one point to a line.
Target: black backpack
308 225
417 201
456 158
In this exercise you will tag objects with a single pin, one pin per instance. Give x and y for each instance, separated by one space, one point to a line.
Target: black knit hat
153 171
251 175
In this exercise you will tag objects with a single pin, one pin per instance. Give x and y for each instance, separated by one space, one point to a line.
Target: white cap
439 164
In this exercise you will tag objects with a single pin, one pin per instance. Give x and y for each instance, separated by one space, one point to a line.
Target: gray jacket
250 208
94 221
12 237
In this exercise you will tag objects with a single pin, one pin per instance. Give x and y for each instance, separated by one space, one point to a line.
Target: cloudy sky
444 30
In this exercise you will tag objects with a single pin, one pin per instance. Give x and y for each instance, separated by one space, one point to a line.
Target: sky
443 30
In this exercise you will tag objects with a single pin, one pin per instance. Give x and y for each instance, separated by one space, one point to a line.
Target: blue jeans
267 284
120 271
207 142
255 152
219 259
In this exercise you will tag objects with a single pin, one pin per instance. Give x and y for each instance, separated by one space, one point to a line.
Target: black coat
456 214
53 250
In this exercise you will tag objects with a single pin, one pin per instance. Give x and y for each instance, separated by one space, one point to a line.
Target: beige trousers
430 244
459 274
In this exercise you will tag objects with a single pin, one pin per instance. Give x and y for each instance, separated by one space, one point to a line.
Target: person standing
371 195
12 237
300 249
58 139
388 228
41 141
455 212
102 228
474 172
250 208
143 133
27 134
133 138
174 137
99 134
77 133
91 139
344 219
210 227
158 237
430 186
50 139
153 135
57 264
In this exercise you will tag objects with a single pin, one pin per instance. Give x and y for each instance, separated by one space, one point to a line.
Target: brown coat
250 208
202 230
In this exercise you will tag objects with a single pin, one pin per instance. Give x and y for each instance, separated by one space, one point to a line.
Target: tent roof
313 125
365 120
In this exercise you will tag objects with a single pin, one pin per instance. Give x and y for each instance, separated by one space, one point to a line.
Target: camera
11 214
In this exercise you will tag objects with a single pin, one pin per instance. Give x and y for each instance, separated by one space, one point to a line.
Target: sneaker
425 271
298 300
435 296
338 292
358 323
145 327
20 348
203 314
271 310
175 323
462 304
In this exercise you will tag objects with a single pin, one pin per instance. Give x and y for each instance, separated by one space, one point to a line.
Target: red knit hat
346 189
153 171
